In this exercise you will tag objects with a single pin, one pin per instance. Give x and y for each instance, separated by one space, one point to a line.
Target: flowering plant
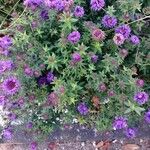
74 61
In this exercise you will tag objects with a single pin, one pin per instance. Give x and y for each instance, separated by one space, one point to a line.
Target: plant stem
9 13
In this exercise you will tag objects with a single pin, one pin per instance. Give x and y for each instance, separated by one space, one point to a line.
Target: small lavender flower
140 82
123 53
79 11
147 116
29 125
124 30
118 39
74 37
4 52
102 87
28 71
94 58
49 3
11 85
6 65
33 146
7 133
42 80
109 21
119 123
34 24
44 14
59 5
53 99
76 57
5 42
141 97
111 93
12 116
50 77
83 109
2 67
98 34
134 39
32 3
2 100
97 5
130 133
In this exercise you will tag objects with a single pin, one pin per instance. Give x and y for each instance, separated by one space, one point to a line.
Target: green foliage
44 43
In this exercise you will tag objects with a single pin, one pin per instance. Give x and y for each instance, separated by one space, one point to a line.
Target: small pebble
83 144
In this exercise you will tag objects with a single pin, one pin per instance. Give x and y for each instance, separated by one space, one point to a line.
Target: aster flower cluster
97 5
75 52
121 123
5 44
109 21
74 37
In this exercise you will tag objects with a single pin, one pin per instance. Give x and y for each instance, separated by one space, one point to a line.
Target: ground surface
81 138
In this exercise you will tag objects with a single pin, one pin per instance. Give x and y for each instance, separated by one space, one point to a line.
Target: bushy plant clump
75 61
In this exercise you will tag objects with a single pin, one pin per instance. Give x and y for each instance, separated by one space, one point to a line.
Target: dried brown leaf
130 147
96 102
103 145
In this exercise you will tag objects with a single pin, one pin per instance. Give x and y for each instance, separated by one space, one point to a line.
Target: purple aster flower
134 39
59 5
109 21
12 116
4 52
130 133
118 39
28 71
98 34
42 80
97 5
33 146
74 37
6 65
94 58
147 116
111 93
20 102
2 100
44 14
50 77
83 109
124 30
50 3
68 4
102 87
79 11
76 57
32 3
119 123
2 67
53 99
11 85
141 97
7 133
5 42
34 24
29 125
140 82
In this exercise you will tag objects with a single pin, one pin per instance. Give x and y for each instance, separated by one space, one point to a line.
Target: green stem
9 13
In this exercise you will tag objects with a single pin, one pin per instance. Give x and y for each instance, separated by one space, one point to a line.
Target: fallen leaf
100 144
130 147
103 145
52 146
